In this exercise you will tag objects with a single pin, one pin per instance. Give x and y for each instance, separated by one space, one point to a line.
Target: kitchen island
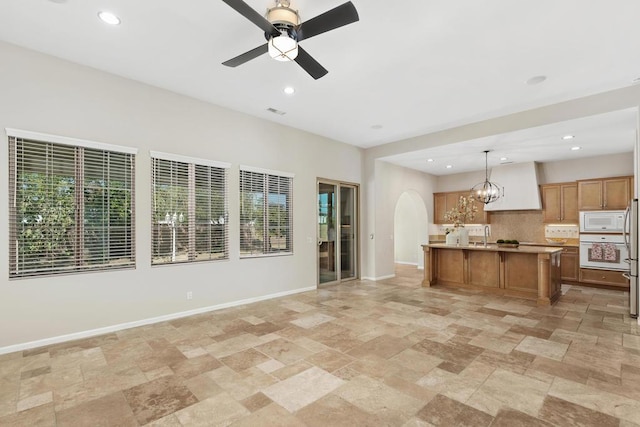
531 272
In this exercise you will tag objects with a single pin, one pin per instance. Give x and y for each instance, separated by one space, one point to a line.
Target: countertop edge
531 249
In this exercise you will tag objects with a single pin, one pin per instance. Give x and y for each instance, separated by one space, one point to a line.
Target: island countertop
494 247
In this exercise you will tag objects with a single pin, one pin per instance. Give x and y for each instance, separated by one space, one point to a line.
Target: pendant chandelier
487 191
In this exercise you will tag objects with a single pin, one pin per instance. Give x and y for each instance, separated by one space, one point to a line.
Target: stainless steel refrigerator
631 241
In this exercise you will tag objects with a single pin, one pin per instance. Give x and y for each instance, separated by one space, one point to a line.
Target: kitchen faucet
486 234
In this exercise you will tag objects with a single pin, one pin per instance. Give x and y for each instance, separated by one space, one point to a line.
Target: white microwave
602 221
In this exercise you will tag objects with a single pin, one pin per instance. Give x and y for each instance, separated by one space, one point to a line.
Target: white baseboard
405 263
143 322
375 279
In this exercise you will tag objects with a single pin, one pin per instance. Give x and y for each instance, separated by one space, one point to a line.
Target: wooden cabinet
605 193
560 203
439 207
569 264
604 278
443 202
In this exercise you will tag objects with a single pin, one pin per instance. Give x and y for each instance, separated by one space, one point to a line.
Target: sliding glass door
337 231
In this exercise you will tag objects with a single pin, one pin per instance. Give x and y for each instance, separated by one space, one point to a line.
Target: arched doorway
410 222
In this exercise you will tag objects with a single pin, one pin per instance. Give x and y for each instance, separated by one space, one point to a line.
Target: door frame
357 257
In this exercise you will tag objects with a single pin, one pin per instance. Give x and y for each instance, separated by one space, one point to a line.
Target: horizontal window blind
266 216
189 211
71 208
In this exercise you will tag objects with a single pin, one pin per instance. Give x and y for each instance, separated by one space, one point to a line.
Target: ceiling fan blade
309 64
247 56
248 12
330 20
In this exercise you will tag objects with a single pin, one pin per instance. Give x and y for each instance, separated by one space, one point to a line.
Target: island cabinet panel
570 264
449 266
526 272
484 269
520 272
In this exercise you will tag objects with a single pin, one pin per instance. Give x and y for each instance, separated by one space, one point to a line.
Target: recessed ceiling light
568 137
58 1
448 166
376 127
576 148
536 80
429 160
502 159
289 90
109 18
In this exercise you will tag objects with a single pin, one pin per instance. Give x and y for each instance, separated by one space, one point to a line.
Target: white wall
48 95
390 182
410 229
591 167
550 172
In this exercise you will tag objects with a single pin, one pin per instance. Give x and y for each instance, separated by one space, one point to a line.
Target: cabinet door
616 193
590 195
569 202
439 207
569 265
551 203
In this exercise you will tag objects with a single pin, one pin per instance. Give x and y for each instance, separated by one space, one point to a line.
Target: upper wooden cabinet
560 203
604 193
442 202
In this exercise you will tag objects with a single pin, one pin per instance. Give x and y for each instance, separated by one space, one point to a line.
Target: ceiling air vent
274 111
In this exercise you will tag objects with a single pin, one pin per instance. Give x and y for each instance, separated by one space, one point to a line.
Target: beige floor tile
302 389
220 410
110 410
442 411
316 319
504 388
33 401
631 341
379 399
357 353
560 412
596 400
271 415
539 347
39 416
336 412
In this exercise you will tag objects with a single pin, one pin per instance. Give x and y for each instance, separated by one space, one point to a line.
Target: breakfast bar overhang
530 272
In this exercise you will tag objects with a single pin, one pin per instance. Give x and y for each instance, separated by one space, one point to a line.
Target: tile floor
358 354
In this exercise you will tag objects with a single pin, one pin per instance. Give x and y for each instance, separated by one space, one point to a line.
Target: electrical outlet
189 295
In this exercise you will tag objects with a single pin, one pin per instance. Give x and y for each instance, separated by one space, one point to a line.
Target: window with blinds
189 217
266 220
71 207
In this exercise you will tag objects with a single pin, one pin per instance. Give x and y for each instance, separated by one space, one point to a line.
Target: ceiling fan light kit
283 48
283 31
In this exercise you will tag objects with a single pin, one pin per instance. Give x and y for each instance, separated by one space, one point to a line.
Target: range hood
520 183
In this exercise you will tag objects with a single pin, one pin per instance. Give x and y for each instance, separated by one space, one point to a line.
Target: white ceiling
603 134
409 67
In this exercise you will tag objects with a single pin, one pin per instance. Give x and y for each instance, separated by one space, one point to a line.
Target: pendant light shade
487 191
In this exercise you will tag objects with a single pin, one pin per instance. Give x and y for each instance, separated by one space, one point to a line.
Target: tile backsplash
525 226
561 231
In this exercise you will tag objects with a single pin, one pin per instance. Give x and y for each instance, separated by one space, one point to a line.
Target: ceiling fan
283 31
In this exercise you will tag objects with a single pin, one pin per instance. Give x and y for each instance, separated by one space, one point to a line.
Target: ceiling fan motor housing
285 20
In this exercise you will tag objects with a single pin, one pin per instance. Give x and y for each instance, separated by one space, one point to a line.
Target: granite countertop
533 249
570 243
